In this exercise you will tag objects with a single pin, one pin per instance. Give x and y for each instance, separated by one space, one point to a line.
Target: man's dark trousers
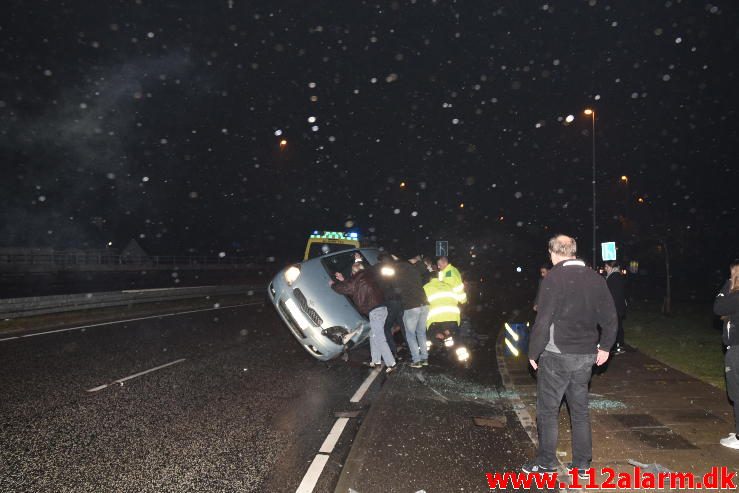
565 375
394 317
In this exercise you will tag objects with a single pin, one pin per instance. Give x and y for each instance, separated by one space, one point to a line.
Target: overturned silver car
324 322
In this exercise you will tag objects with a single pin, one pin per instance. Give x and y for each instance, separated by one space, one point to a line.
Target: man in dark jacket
367 296
409 280
617 286
384 271
727 307
573 301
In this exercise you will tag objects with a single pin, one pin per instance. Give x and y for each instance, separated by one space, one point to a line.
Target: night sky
409 121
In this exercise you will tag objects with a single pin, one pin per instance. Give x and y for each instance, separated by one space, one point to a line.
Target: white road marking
365 386
524 417
135 375
113 322
314 472
333 436
319 461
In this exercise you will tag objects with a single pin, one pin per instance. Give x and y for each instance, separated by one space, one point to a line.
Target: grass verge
688 340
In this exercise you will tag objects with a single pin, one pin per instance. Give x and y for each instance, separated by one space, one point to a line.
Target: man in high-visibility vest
444 314
450 275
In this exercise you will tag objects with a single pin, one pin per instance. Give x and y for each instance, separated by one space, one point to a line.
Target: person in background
563 346
727 307
367 297
543 271
444 314
430 269
617 286
409 281
450 275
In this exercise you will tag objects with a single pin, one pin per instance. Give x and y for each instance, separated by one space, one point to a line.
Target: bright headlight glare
387 271
462 354
449 342
428 345
292 274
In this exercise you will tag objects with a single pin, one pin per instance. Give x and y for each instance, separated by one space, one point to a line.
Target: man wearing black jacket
727 307
410 279
617 286
573 301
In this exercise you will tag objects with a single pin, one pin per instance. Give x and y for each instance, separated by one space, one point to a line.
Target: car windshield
341 263
318 249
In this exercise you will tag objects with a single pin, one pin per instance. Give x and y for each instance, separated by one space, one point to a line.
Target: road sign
442 248
608 251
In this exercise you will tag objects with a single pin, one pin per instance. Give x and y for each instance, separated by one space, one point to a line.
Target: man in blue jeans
410 278
573 301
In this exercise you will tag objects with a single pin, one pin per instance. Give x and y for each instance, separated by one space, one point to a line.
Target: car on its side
323 321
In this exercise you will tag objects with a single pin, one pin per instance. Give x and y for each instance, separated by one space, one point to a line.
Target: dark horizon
421 121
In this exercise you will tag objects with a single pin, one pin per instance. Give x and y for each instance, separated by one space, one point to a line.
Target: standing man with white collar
573 301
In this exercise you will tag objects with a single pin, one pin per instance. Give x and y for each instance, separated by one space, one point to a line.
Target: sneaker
417 364
582 472
619 350
372 364
391 369
534 468
425 362
730 441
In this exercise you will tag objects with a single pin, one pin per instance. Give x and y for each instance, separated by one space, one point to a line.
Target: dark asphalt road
246 411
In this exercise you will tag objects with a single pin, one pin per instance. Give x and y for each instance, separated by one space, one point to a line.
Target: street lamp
591 113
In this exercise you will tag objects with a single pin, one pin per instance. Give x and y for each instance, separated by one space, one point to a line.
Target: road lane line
365 385
113 322
100 387
314 472
136 375
319 461
333 436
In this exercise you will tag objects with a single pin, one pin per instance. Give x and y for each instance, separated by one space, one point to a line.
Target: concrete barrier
40 305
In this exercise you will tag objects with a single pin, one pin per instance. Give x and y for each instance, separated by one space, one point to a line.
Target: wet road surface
241 407
226 400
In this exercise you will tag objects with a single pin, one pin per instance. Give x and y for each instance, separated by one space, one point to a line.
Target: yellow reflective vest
453 278
442 302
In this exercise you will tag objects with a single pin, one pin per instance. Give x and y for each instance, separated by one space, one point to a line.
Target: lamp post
591 113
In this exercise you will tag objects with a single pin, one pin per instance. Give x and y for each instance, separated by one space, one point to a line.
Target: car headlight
291 274
449 342
462 354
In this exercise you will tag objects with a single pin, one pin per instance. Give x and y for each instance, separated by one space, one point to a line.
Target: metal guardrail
41 305
96 258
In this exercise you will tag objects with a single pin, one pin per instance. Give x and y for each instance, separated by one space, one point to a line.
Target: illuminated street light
591 113
624 178
283 144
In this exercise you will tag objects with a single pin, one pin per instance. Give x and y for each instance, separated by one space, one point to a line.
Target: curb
524 417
